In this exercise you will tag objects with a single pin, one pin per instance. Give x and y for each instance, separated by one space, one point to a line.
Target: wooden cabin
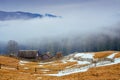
28 54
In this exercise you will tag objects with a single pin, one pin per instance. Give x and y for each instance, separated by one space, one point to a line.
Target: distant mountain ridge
22 15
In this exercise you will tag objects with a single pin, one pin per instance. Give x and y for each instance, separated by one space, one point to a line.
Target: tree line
67 46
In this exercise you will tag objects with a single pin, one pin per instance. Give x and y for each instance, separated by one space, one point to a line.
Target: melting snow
83 62
72 70
64 61
23 62
83 69
45 62
72 60
84 55
68 70
112 55
116 61
9 68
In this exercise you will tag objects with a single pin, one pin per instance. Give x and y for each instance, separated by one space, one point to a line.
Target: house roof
28 50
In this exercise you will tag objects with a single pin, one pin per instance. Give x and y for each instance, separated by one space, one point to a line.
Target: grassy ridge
111 72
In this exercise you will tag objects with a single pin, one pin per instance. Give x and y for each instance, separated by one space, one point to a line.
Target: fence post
35 69
0 66
17 67
95 64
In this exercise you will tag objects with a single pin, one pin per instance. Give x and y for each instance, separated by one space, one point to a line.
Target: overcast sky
78 16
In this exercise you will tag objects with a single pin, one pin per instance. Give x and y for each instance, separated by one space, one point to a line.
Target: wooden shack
28 54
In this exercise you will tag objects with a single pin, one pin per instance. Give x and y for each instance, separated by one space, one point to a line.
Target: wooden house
29 54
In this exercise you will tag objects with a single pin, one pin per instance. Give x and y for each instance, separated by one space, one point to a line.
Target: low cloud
82 21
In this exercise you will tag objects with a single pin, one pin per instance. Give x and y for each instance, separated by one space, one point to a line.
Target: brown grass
8 61
98 73
55 68
103 54
117 55
15 75
8 74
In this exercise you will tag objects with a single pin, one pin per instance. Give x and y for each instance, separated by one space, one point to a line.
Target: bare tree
12 47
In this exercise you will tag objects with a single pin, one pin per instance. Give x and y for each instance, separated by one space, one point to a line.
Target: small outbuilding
46 56
28 54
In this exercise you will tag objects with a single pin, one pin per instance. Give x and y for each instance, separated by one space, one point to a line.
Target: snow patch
67 72
112 55
23 62
117 60
72 60
84 55
85 68
63 61
41 63
83 62
9 68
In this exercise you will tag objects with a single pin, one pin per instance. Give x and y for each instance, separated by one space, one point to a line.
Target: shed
29 54
47 56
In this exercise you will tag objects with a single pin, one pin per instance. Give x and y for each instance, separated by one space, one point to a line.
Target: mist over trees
2 47
12 47
99 42
67 45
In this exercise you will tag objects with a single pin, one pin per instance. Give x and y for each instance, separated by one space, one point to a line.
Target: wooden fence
36 69
9 66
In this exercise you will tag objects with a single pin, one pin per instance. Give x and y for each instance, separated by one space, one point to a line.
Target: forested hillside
90 43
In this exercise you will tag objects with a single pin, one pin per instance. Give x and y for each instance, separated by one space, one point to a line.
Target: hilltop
76 66
19 15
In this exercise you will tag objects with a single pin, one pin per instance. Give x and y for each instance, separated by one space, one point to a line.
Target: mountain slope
21 15
68 68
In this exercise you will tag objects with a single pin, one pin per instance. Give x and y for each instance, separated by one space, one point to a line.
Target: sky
79 17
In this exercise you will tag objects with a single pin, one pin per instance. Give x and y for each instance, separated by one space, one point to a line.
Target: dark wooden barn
29 54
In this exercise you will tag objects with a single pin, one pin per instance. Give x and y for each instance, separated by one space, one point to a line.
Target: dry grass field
98 73
8 61
9 71
39 70
117 55
103 54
